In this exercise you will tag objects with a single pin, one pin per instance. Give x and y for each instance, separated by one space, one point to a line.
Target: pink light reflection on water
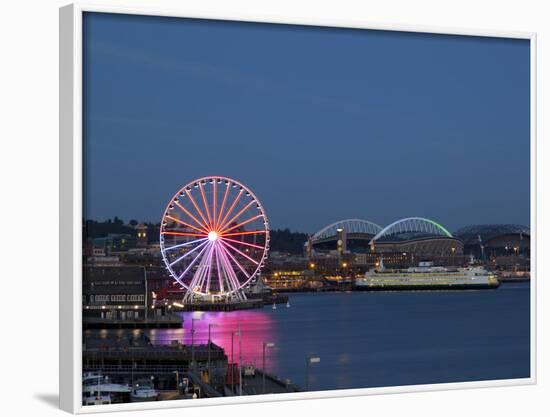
256 328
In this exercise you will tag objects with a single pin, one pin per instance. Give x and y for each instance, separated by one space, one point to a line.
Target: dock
171 321
225 306
128 358
253 384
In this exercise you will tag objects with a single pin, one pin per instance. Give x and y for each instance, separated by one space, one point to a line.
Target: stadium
490 241
407 241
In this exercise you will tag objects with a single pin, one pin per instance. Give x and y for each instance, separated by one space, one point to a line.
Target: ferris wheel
214 238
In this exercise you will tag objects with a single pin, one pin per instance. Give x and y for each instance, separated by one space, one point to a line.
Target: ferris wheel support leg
198 278
188 297
237 293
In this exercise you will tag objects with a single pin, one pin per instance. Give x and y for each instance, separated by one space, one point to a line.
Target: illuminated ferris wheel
214 238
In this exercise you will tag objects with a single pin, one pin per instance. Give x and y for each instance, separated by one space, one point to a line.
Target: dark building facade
114 292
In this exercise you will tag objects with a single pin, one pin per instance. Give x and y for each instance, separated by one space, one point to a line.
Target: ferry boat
426 276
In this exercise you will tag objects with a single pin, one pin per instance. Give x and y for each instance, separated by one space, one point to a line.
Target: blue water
380 338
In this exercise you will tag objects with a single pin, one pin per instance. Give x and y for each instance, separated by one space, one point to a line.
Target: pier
204 368
254 384
219 306
251 303
170 321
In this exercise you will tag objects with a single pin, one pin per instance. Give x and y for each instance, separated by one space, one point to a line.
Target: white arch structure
350 226
412 224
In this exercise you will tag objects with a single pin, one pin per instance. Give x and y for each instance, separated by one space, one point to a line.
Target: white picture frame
70 261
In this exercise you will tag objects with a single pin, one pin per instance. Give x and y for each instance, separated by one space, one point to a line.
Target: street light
238 333
193 342
210 325
240 362
177 379
266 345
310 359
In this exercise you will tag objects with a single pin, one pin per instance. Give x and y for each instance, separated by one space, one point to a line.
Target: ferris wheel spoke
181 245
250 232
186 224
188 253
197 276
201 270
224 268
220 278
192 262
209 276
206 270
198 210
242 223
236 263
169 232
236 216
223 274
230 246
205 204
199 223
232 278
235 201
240 242
214 198
227 188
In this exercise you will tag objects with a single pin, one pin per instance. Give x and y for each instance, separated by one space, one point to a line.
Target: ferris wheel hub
213 236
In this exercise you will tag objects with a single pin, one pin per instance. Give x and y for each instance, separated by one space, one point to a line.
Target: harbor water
377 339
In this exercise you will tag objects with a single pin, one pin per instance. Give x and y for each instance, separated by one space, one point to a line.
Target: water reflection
256 327
376 339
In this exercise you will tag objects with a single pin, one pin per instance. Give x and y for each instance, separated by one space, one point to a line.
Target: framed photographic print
261 209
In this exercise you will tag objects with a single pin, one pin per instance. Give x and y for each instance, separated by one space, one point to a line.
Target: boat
143 391
288 304
274 307
258 289
96 400
426 276
97 389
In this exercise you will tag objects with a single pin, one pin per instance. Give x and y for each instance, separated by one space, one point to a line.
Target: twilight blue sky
322 124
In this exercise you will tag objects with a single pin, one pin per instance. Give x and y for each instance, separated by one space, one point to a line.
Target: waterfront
378 339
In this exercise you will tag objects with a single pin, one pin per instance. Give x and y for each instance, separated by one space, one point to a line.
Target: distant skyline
322 124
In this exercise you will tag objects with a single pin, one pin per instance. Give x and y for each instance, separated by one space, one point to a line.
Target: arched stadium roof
412 226
350 226
470 234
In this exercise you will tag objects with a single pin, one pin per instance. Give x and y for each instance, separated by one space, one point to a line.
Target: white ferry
426 276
